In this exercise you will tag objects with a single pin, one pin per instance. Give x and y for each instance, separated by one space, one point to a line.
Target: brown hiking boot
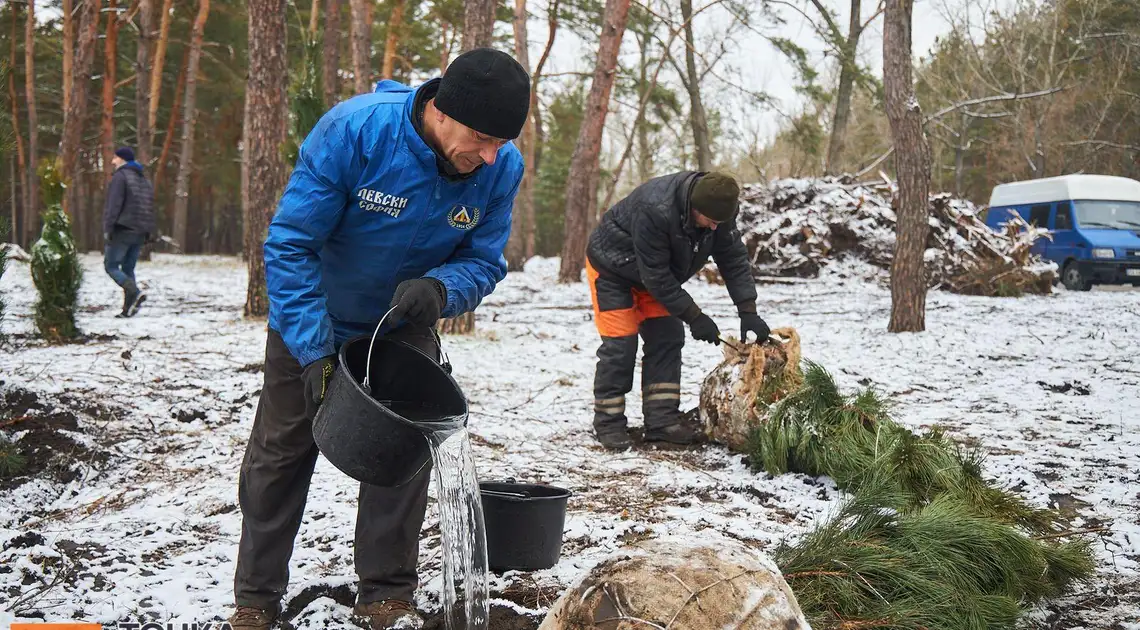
390 614
250 618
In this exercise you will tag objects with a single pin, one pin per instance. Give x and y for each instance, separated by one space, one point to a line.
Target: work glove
751 322
317 376
704 328
419 301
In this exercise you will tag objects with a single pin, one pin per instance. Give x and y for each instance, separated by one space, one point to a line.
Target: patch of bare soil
39 428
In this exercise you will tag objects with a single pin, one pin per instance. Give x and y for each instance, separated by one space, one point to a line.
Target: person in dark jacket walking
400 199
642 251
128 221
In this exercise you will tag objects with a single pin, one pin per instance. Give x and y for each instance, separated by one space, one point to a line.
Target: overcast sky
762 67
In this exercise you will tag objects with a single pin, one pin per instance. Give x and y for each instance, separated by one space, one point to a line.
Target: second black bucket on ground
524 524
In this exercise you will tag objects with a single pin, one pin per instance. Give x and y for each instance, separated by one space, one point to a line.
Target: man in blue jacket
399 199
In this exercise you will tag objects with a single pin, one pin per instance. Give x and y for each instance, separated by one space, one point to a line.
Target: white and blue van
1094 221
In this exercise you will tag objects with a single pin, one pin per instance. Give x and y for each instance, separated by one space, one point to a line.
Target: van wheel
1073 279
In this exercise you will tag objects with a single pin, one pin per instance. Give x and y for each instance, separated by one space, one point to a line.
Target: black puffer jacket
650 241
130 202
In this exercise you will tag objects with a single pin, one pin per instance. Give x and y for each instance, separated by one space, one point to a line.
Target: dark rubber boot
132 299
679 433
615 439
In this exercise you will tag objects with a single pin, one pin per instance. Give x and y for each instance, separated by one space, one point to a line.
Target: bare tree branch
1101 143
553 28
993 99
874 16
816 27
710 65
952 108
836 34
987 116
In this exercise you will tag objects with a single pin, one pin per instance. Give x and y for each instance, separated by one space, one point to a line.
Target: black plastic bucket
524 524
374 421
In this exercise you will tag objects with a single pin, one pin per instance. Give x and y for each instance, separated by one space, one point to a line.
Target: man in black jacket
128 220
642 251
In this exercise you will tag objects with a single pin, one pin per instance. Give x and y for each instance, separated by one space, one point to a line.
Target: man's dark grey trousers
274 483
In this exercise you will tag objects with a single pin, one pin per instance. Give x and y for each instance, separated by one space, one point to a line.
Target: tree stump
462 325
736 394
671 584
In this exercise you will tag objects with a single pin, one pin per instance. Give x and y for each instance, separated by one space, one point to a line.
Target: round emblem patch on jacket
463 217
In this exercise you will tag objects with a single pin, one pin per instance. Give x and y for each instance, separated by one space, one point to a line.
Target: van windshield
1120 215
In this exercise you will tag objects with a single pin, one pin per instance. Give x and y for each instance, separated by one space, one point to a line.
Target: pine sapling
12 462
307 102
56 271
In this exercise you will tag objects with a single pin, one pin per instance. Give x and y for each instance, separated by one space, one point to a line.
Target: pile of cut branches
796 227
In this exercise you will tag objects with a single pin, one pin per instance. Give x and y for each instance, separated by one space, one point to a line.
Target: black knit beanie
716 195
486 90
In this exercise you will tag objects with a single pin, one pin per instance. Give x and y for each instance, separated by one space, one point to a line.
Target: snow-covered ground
145 522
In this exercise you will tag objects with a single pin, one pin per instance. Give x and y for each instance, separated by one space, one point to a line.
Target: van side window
1064 218
1039 215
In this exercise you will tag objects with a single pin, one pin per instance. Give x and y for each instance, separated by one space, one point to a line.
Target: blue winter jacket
365 209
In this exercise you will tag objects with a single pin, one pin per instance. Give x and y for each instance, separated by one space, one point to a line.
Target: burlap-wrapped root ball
680 587
736 393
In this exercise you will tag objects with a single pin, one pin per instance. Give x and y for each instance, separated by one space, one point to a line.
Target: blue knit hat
126 153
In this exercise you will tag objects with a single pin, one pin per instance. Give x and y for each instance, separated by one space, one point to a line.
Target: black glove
419 301
704 329
317 376
751 322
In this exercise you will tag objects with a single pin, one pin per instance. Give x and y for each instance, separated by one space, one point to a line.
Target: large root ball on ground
668 584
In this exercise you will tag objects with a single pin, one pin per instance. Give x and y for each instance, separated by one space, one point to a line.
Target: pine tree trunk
536 109
478 18
31 211
462 325
444 47
478 23
912 163
847 70
168 139
110 63
189 117
315 16
645 154
144 132
70 145
524 201
697 118
582 181
960 148
159 60
361 43
330 56
6 231
395 30
68 50
81 229
24 202
263 133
